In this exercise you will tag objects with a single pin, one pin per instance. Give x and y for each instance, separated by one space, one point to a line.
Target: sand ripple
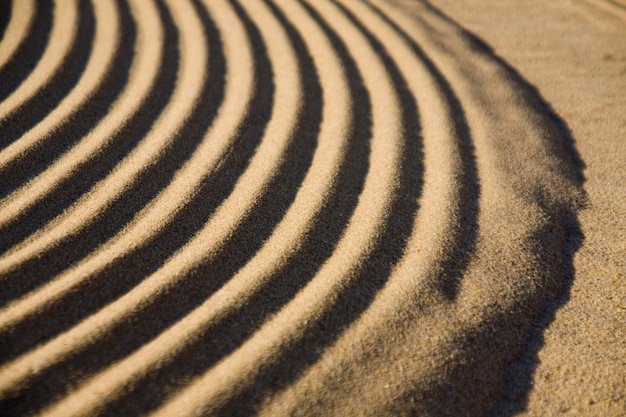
282 207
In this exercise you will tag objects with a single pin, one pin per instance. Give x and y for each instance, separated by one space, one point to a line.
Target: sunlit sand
316 207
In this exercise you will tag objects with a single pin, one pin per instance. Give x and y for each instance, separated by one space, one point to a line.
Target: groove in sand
367 220
346 177
161 136
22 17
59 45
105 45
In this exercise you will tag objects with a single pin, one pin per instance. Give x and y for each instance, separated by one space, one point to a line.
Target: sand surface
350 207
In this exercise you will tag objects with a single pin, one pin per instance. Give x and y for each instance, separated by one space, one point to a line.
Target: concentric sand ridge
220 207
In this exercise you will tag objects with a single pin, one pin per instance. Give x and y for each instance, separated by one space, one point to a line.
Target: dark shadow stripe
517 382
66 134
556 245
57 87
455 262
6 14
15 71
220 340
296 357
149 258
52 261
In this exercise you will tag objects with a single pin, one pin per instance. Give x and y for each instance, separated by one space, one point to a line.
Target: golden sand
315 207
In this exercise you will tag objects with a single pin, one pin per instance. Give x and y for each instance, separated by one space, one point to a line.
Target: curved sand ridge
282 207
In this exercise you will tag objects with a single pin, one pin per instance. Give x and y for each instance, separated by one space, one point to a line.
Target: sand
350 207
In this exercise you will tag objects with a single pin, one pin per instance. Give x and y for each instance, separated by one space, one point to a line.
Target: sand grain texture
302 207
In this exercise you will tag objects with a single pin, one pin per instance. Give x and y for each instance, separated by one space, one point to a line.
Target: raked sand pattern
236 207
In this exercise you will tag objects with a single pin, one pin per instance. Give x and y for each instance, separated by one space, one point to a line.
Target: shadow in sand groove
373 273
38 270
455 263
562 241
26 57
518 381
107 285
34 159
58 86
6 8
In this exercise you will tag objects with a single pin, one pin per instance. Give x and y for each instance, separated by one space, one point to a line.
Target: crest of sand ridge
398 207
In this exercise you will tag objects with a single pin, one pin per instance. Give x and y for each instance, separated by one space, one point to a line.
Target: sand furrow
160 212
275 207
62 39
150 149
15 35
222 384
186 180
102 53
414 361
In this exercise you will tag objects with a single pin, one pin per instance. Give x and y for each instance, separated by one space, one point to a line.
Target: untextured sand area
313 207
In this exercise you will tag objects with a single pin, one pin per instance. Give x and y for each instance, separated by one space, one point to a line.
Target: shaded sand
574 53
348 207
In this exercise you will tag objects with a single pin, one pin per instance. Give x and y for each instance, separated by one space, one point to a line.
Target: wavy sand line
140 230
142 77
102 54
422 358
162 134
22 17
351 201
58 46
